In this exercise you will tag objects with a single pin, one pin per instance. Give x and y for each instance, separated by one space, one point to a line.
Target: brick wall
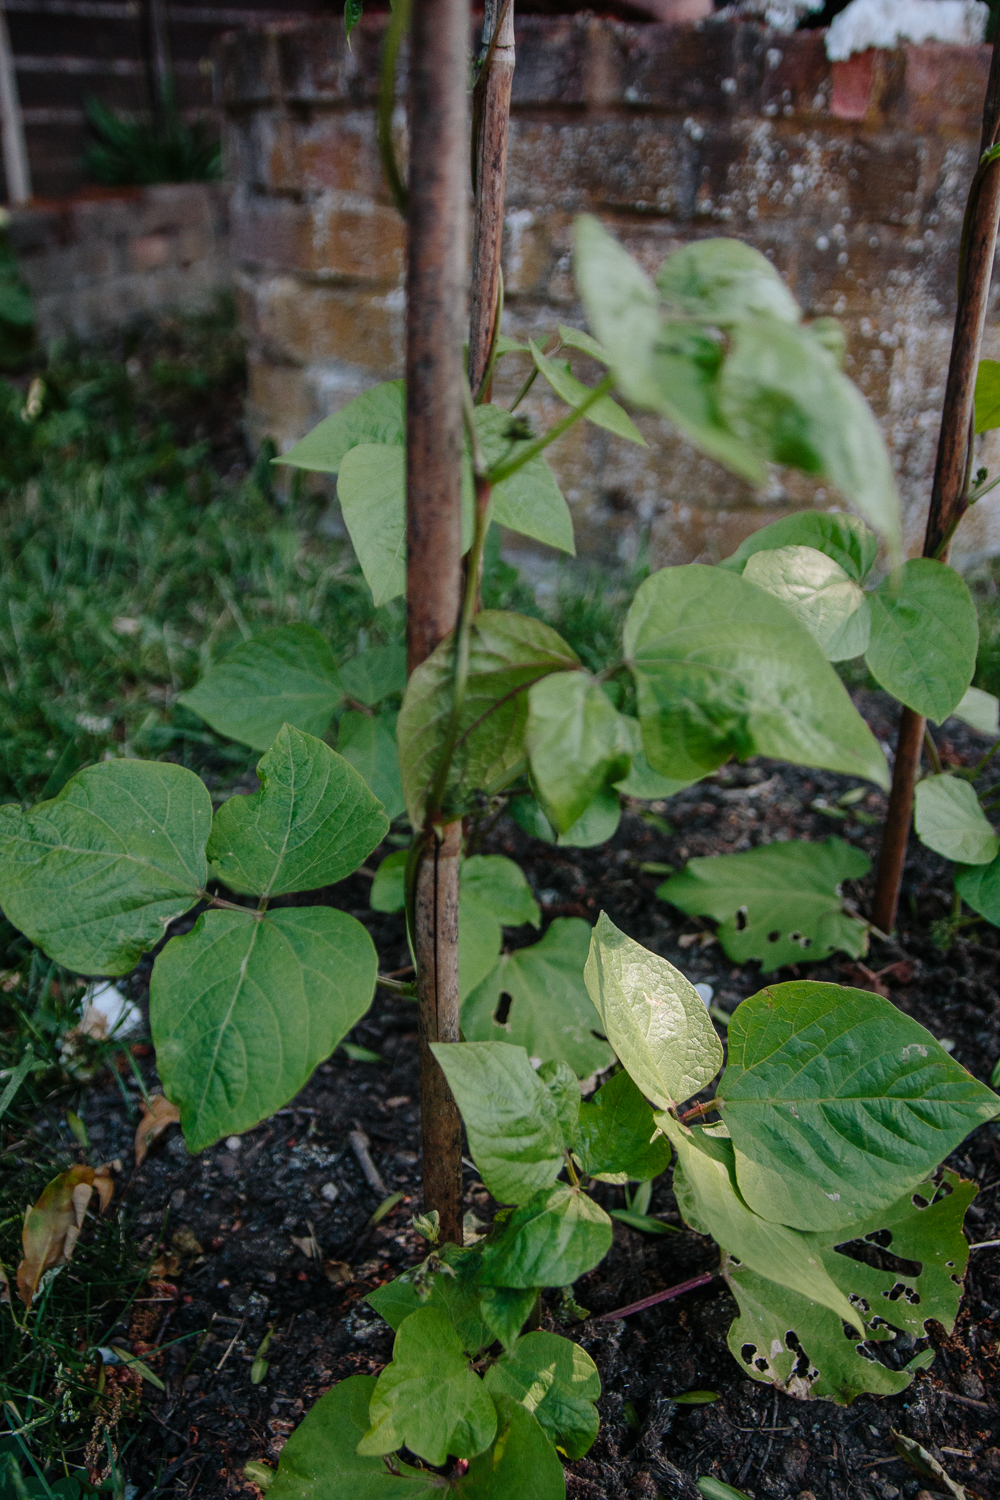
850 177
96 260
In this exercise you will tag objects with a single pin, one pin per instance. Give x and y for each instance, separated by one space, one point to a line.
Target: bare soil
230 1269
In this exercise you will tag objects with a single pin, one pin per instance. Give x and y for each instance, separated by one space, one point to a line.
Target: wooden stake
950 492
435 318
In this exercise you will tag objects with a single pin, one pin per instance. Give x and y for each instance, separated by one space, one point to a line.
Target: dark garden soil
237 1221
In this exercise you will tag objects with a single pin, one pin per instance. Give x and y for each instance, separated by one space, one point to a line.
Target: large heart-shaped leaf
725 281
321 1457
376 416
508 653
429 1399
244 1007
722 668
539 994
557 1236
313 822
798 1344
285 675
557 1382
949 820
618 1139
820 593
653 1017
96 875
779 903
838 1103
574 744
839 536
511 1119
924 637
603 412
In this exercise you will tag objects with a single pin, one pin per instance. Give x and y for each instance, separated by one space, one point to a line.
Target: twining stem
950 491
394 34
932 752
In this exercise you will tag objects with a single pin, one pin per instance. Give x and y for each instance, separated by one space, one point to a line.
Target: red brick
946 86
853 80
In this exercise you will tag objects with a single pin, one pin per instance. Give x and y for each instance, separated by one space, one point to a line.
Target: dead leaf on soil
925 1463
51 1225
337 1271
307 1243
156 1116
183 1241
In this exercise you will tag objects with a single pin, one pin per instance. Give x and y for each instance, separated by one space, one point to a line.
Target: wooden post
435 326
493 114
950 491
15 150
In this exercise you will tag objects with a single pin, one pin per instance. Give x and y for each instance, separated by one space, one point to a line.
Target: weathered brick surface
851 178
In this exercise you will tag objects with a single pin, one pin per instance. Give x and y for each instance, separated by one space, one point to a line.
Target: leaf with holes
96 875
838 1103
511 1118
243 1008
369 743
508 653
843 538
924 637
428 1399
653 1017
903 1269
779 903
949 820
313 822
376 416
285 675
557 1382
574 745
557 1236
619 1140
603 413
817 590
722 668
536 997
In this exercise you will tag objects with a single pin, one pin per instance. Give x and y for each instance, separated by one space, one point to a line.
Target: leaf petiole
531 450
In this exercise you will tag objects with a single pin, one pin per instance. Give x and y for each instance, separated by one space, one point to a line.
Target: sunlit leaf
557 1236
987 395
321 1457
981 711
376 416
819 593
557 1382
839 536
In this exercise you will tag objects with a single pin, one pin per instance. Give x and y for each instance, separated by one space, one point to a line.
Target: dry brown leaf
51 1225
337 1271
303 1243
156 1116
183 1241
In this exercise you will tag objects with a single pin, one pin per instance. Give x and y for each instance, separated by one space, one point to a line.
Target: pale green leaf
530 501
619 1140
285 675
723 668
838 1103
313 822
521 1461
376 416
243 1008
96 875
839 536
779 903
573 743
557 1236
428 1399
596 824
575 338
725 281
508 653
374 674
715 1489
949 820
493 885
642 782
987 395
924 637
557 1382
548 1011
507 345
321 1457
511 1119
653 1017
369 743
603 413
388 891
707 1196
979 887
798 1345
831 606
622 307
782 393
981 711
371 488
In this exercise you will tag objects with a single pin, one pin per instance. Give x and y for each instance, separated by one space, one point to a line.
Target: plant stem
667 1296
510 466
491 116
698 1110
391 43
397 986
434 384
950 491
932 754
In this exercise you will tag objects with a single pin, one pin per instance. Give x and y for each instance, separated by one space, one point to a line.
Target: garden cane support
950 492
434 334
